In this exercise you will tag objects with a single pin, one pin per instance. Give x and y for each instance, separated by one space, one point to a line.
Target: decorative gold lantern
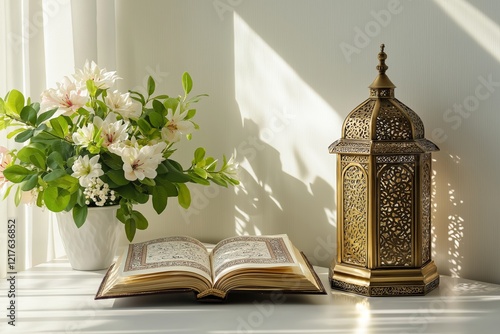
384 198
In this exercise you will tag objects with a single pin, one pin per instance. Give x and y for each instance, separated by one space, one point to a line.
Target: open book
171 264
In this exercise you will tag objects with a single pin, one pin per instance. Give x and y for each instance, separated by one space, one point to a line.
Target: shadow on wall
286 170
271 201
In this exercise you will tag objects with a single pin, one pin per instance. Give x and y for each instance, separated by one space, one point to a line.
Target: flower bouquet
88 145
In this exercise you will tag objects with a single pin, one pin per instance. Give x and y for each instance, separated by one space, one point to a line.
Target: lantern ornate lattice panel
384 198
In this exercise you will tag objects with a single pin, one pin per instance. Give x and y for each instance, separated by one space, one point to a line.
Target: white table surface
53 298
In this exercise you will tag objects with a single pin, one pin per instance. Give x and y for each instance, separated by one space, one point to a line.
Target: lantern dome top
382 124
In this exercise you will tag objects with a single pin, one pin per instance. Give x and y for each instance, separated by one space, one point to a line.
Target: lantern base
385 282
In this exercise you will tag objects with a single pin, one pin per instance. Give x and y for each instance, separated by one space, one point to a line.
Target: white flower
5 160
67 97
123 105
112 130
143 162
101 78
85 169
176 126
84 136
99 193
231 168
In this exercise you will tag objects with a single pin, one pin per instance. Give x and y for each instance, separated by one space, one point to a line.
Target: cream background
280 87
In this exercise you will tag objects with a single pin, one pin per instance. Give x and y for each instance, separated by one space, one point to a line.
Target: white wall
280 86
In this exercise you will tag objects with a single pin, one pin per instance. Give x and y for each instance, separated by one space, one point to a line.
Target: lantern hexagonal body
384 198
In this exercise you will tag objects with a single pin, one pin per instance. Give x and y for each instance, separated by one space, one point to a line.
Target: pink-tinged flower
29 197
123 105
85 169
67 97
113 131
139 163
101 78
5 160
176 126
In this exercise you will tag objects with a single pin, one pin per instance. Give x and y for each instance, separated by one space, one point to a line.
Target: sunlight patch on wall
290 116
479 26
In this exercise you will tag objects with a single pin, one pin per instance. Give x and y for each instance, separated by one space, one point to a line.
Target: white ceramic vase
93 245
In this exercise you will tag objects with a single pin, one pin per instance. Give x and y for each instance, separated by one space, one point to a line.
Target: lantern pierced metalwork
384 198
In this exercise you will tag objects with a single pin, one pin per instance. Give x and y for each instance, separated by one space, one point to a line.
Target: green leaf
120 216
45 116
230 180
148 182
160 199
91 87
28 114
118 177
159 107
54 175
80 198
144 125
130 192
140 221
111 160
7 192
55 160
14 102
16 173
161 169
171 103
66 182
174 175
196 98
130 229
30 183
218 180
170 188
80 214
190 114
199 154
56 199
82 112
15 132
102 108
59 126
184 197
187 83
43 137
24 136
31 154
156 119
174 165
140 98
200 172
75 199
151 86
122 213
211 164
161 97
18 196
198 179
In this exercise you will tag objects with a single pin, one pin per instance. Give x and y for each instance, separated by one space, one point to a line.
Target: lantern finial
382 81
382 56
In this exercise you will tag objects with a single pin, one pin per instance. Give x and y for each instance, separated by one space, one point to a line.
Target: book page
252 252
167 254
